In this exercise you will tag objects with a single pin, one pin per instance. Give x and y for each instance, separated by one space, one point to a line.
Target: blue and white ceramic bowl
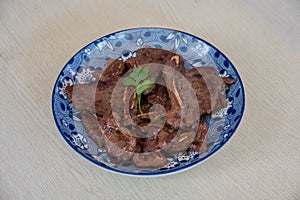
122 45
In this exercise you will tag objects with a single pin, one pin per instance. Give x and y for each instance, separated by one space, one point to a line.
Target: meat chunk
92 128
158 56
105 87
154 55
181 142
200 142
158 141
82 96
209 87
182 97
151 160
120 147
117 154
158 94
174 113
114 134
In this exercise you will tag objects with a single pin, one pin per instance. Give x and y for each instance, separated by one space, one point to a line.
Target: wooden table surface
261 38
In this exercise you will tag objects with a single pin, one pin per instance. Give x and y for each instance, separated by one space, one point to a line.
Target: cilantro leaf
144 85
135 73
143 74
127 81
138 79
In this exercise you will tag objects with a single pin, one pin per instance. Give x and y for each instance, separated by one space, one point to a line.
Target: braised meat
199 143
152 159
92 128
157 56
209 87
106 84
181 142
82 96
169 120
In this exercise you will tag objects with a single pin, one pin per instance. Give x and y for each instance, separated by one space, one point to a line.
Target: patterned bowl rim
162 173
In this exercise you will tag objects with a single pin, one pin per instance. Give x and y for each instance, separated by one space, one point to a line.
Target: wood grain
262 40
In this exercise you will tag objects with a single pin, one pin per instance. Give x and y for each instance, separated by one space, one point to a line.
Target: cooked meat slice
159 56
102 98
112 131
160 140
158 94
120 147
83 90
174 113
199 144
221 102
202 91
153 55
186 96
181 142
92 128
82 96
106 85
151 160
116 154
209 87
182 98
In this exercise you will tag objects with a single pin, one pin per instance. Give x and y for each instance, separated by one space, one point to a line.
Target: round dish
123 44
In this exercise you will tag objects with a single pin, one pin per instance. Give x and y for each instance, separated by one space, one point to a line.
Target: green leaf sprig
139 79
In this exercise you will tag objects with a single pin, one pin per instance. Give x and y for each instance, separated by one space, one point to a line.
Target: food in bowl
148 106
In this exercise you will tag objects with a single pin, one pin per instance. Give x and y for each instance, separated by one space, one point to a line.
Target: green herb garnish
138 79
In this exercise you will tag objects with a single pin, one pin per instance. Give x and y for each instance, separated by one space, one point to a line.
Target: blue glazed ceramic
122 45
